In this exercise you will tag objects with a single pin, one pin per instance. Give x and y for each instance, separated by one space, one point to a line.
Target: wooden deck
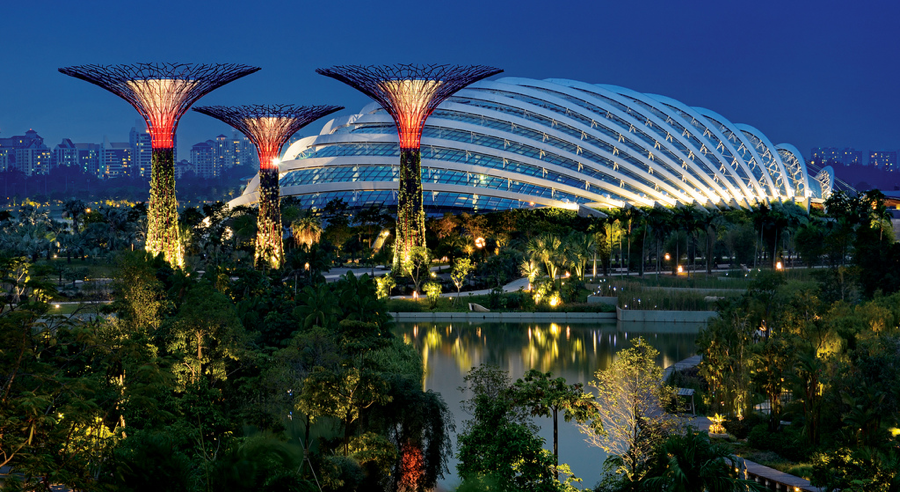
776 480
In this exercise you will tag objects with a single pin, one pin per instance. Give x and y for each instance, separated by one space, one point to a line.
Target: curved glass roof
517 142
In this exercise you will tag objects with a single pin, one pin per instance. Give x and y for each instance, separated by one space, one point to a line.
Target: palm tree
580 247
660 221
306 230
74 209
547 249
684 219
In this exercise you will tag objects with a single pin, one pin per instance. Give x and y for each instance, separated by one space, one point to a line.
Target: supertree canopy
161 93
410 93
269 127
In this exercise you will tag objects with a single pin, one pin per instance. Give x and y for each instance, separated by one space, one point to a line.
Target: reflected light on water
449 354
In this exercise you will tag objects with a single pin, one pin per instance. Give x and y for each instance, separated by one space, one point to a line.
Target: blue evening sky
810 73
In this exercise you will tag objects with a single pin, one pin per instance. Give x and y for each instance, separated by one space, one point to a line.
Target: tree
498 443
725 344
206 335
306 230
433 291
546 397
631 398
462 267
689 462
416 264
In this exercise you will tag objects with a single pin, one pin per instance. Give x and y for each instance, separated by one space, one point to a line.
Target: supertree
409 93
269 127
161 93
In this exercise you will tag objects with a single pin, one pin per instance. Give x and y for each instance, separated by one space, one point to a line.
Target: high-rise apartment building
245 152
204 159
65 154
141 155
115 159
832 156
34 159
822 156
883 159
852 157
89 157
26 153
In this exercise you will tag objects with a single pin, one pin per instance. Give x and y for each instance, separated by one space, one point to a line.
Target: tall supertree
409 93
161 93
269 127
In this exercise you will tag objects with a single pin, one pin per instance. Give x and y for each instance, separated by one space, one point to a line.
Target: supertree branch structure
409 93
161 93
269 127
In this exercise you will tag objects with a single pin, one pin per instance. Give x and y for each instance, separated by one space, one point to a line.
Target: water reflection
573 351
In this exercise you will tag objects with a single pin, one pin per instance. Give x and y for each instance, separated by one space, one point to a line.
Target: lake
573 351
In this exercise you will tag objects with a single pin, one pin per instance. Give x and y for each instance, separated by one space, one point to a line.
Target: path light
680 269
778 266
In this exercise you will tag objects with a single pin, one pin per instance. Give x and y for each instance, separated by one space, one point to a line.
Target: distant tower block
269 127
161 93
410 93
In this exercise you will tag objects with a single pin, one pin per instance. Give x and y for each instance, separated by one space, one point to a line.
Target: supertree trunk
269 127
269 247
409 93
161 93
410 209
162 214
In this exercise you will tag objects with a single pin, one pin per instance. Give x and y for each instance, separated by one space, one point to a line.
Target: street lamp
479 242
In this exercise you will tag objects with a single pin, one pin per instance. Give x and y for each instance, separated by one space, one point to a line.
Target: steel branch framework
161 93
409 93
269 127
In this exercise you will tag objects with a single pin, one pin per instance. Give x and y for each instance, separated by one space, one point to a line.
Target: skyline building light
884 160
115 159
141 150
65 154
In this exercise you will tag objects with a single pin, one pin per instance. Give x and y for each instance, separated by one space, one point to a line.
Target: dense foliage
195 382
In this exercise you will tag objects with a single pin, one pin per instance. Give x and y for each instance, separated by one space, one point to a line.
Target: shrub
788 442
740 428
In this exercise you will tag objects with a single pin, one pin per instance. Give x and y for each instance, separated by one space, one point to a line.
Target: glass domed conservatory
520 143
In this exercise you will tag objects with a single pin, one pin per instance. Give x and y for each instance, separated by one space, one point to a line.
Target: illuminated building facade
141 151
269 127
161 93
65 154
27 153
115 159
520 143
883 159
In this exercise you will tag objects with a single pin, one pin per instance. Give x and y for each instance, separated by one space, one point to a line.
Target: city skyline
811 74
